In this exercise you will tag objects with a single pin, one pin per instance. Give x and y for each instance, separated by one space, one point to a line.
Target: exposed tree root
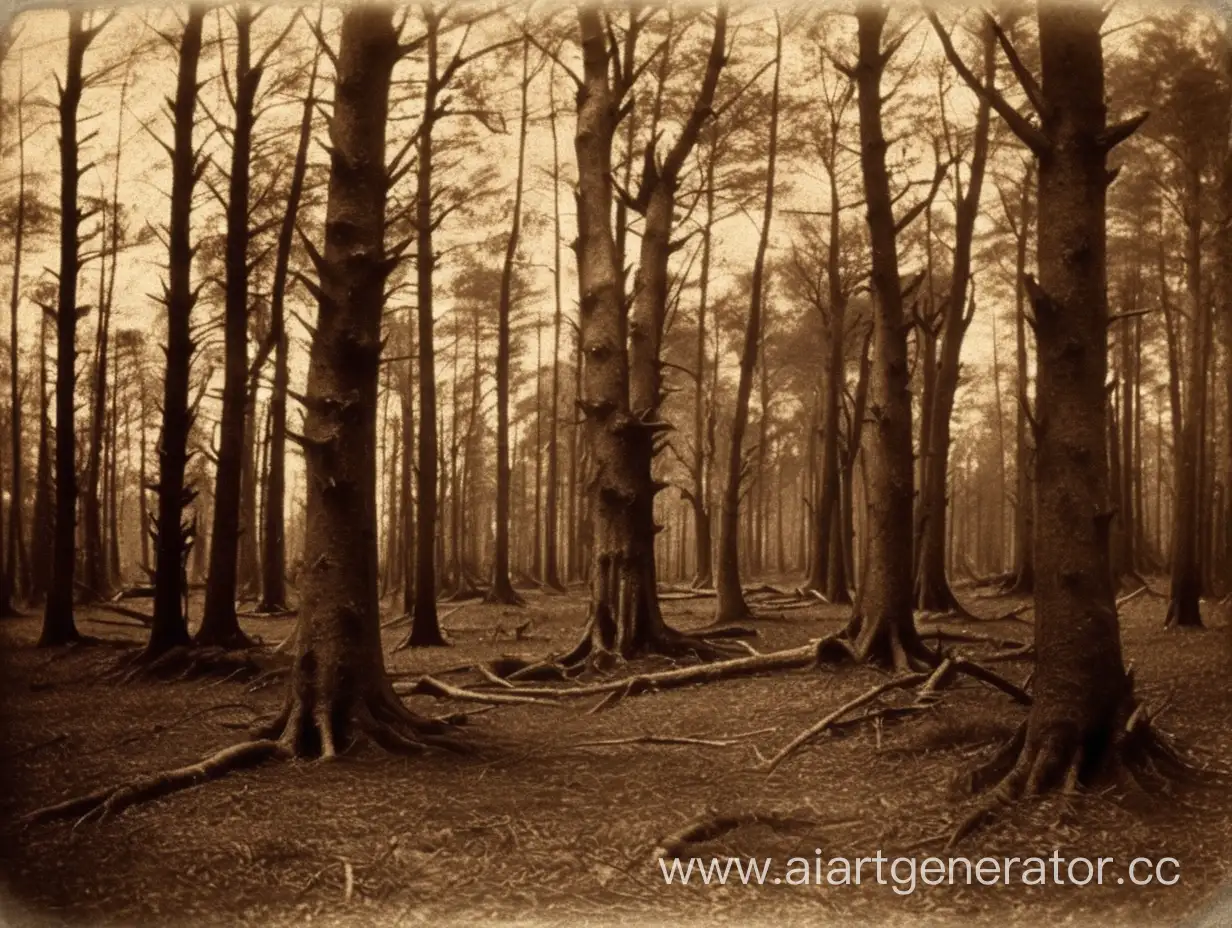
104 803
931 680
943 634
1134 757
191 662
674 740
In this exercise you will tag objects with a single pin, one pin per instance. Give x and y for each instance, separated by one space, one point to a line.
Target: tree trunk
425 627
170 625
731 605
1080 722
58 624
18 578
883 628
274 555
699 496
502 590
551 569
932 588
1024 506
338 683
1184 605
219 625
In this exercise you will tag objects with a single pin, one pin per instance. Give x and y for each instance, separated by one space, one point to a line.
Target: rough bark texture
1081 722
883 628
58 625
339 684
219 625
170 624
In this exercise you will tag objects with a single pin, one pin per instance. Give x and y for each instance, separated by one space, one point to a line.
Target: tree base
295 733
194 662
1060 759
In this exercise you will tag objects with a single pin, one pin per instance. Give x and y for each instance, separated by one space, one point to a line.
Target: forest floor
541 827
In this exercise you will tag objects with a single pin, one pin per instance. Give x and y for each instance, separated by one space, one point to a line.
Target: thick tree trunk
58 624
170 625
338 686
502 590
883 628
624 608
1081 720
219 625
730 605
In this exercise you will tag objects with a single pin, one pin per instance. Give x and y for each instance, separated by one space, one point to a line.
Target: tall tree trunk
932 589
219 625
1083 718
274 555
58 624
882 627
170 624
1184 604
699 495
425 626
502 590
338 682
1024 504
551 569
731 605
18 578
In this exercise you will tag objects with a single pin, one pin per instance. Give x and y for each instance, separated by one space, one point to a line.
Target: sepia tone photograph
615 464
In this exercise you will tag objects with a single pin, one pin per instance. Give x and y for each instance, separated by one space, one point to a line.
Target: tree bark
219 625
1079 724
425 626
58 624
551 569
882 628
169 627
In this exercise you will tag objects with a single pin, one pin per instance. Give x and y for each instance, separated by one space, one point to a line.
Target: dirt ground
540 826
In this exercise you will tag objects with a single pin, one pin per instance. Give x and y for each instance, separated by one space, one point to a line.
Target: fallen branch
430 686
674 739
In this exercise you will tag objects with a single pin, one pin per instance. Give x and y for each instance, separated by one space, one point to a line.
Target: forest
457 459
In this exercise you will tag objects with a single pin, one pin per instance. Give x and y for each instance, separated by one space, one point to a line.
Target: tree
274 543
338 687
624 611
174 538
731 605
502 590
932 589
219 624
1084 723
882 629
58 625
